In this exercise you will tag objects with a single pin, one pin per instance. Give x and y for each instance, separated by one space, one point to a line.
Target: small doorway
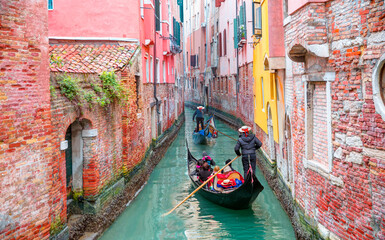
68 157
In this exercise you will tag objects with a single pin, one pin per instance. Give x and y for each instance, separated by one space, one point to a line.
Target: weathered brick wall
224 97
166 95
27 196
348 200
103 160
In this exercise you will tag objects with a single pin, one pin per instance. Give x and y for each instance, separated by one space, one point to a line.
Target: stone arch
270 133
297 53
378 84
77 137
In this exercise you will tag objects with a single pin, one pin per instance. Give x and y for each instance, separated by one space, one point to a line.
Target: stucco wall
87 18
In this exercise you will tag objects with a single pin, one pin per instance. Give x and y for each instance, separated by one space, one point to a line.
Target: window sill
323 171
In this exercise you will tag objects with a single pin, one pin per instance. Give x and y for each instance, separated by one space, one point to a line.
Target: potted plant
242 31
242 35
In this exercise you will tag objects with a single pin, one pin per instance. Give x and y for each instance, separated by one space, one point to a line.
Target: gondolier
199 116
248 143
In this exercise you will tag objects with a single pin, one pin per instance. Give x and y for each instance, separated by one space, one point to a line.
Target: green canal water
197 218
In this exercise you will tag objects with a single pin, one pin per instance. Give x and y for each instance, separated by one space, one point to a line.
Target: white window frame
152 69
147 70
142 9
379 104
157 67
164 72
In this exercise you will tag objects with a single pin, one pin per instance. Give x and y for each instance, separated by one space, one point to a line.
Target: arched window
379 86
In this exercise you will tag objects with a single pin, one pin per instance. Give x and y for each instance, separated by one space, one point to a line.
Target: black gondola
238 198
206 135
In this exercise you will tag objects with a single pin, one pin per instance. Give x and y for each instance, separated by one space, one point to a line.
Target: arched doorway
270 132
74 155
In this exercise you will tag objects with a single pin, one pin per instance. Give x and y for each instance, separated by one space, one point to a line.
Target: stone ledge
94 206
90 133
320 169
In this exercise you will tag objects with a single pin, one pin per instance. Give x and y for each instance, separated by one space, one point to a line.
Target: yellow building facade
265 89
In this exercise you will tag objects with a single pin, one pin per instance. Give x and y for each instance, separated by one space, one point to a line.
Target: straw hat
201 107
244 129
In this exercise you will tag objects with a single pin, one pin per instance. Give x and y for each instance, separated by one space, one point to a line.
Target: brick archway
77 135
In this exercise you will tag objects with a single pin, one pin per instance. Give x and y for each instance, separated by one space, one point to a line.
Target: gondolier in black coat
200 118
248 143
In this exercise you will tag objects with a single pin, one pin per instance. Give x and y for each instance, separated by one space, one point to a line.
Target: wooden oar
227 135
199 187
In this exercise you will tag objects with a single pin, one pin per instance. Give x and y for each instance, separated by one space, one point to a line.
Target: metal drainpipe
154 67
206 53
237 77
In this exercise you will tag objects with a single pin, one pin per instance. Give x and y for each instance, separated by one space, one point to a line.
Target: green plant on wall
69 86
102 93
56 226
52 91
77 194
111 87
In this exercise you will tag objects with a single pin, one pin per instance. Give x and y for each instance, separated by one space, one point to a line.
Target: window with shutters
257 20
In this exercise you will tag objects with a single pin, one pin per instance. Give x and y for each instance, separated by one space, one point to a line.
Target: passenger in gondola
200 118
208 159
248 143
199 165
214 185
205 172
228 168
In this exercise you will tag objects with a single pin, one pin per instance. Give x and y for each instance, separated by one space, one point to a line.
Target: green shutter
241 18
245 20
50 4
235 33
181 10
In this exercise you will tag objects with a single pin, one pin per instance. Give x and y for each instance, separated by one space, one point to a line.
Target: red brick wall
164 92
28 199
347 201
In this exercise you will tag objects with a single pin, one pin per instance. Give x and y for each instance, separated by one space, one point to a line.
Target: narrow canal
197 218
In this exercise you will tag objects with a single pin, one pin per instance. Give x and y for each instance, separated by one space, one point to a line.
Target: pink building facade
219 67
